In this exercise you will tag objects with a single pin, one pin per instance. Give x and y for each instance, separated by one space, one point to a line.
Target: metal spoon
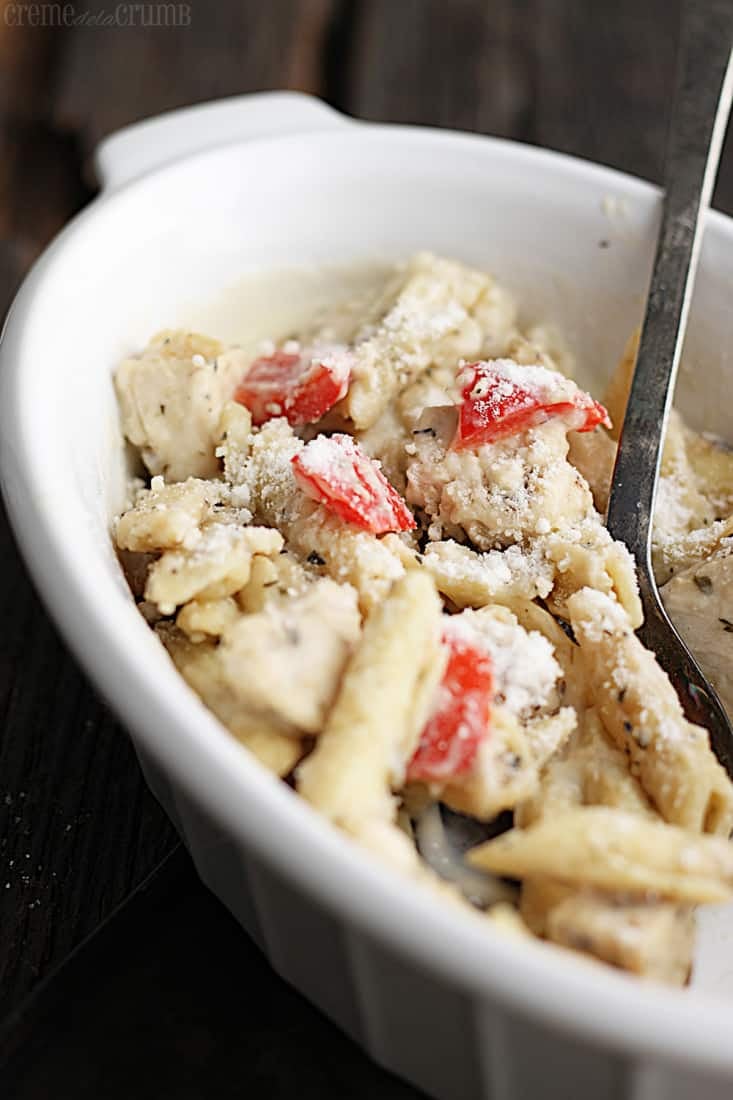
699 115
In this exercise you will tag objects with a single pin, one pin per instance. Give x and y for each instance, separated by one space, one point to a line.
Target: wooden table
78 829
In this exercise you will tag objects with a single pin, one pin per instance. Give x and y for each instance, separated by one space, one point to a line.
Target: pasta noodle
614 850
375 550
640 710
370 733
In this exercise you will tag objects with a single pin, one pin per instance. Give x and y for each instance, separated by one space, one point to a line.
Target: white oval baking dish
191 201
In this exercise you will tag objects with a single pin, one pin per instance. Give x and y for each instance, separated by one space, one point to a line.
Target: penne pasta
375 549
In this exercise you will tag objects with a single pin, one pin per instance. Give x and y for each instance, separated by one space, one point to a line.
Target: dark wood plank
40 185
603 83
78 829
109 77
26 54
464 64
187 1009
591 80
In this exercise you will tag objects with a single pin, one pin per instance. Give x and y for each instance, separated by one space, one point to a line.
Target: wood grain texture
77 828
60 753
464 64
188 1010
593 80
108 77
40 185
603 84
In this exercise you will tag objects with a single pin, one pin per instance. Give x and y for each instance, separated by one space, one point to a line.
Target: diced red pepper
298 386
450 741
496 404
338 474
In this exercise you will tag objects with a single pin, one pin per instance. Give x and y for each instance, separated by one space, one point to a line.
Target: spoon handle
700 111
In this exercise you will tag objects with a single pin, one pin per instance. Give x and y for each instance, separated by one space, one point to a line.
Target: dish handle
138 149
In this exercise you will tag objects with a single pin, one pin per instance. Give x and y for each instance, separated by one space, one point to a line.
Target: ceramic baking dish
190 201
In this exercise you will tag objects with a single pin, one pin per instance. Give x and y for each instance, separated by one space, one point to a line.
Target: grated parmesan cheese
525 669
274 595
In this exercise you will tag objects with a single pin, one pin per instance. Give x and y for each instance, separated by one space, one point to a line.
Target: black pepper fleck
703 583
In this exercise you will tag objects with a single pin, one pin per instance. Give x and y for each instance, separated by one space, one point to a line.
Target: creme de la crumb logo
74 15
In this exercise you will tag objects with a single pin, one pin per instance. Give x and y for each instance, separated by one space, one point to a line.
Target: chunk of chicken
285 662
653 939
214 565
171 398
429 322
201 667
166 517
370 563
501 493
